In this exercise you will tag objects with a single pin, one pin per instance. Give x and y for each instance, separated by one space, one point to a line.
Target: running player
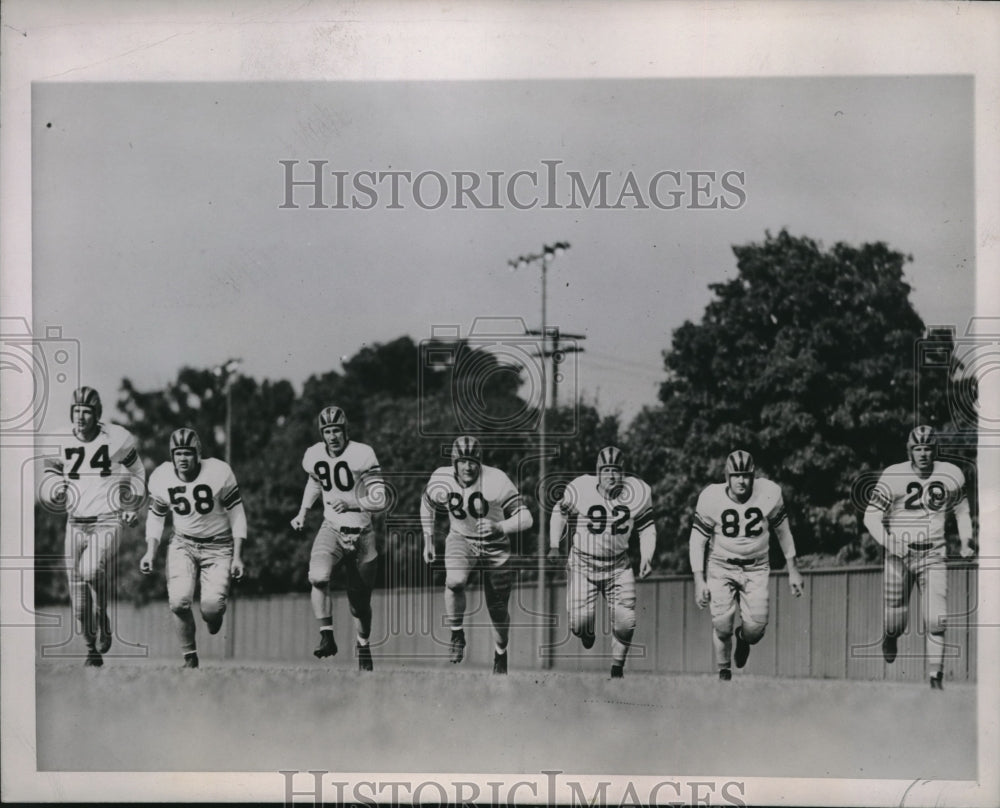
348 477
906 515
735 519
209 529
606 509
485 510
101 480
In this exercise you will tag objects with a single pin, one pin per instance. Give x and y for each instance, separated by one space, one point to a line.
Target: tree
806 359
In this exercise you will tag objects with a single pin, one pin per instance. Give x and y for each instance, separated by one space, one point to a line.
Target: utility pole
558 355
549 251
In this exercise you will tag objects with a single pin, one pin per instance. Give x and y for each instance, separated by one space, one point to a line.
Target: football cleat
937 681
588 639
327 645
889 648
457 646
499 662
191 659
742 652
618 671
104 636
365 658
725 675
94 659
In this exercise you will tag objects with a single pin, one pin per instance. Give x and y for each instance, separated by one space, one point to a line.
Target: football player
484 511
101 480
209 530
735 519
906 515
346 474
606 509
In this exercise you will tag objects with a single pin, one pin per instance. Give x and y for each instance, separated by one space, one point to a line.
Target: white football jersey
739 529
915 507
95 471
603 524
491 496
344 478
200 507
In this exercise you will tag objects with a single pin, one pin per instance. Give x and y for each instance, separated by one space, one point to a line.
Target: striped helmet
86 397
468 448
610 456
332 416
922 436
739 462
185 438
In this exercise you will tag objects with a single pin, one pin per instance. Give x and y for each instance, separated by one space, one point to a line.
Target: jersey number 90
341 476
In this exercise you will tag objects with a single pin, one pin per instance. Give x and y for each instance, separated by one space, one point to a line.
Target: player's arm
155 519
701 532
427 511
963 518
232 501
376 496
135 494
874 517
781 527
309 496
647 531
517 517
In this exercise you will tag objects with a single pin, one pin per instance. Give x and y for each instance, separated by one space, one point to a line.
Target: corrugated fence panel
791 628
834 630
828 634
864 626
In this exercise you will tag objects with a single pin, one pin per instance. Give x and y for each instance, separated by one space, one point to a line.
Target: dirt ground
237 717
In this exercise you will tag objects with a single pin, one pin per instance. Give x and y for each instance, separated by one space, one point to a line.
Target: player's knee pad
723 624
180 605
623 620
753 632
318 581
212 609
455 584
937 624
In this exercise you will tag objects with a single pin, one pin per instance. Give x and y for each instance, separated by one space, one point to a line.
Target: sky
164 235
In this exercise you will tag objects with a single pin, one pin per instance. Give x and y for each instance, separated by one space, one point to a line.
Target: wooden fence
832 631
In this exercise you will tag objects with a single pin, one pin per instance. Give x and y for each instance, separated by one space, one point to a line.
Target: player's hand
554 558
146 563
702 594
339 506
795 582
236 568
128 518
966 551
489 529
299 521
429 554
645 567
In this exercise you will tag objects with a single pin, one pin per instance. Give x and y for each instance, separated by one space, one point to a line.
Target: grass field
237 717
